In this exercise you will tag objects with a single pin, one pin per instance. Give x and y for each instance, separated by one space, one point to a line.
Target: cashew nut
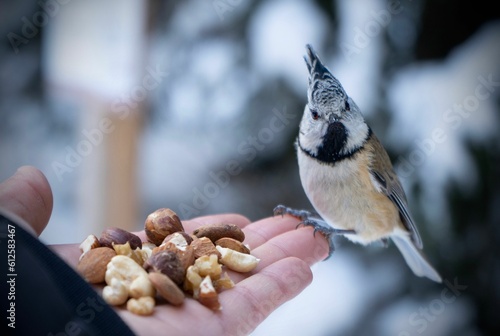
141 287
115 293
126 271
193 280
208 265
237 261
139 255
141 306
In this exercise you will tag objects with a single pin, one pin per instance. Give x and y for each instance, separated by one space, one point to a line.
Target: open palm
283 272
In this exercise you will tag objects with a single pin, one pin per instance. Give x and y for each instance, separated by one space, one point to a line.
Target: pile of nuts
170 265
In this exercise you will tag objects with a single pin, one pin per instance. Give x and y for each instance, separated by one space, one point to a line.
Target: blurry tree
426 30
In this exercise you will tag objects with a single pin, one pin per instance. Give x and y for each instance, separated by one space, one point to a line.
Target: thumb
27 194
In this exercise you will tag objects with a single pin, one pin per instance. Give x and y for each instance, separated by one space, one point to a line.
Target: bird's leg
317 224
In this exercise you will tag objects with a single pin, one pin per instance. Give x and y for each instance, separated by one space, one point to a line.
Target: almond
204 247
166 288
93 264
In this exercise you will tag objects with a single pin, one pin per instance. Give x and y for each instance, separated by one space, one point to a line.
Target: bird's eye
314 114
347 106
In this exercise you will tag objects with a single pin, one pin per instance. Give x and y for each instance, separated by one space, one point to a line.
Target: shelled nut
160 224
115 235
208 265
232 244
92 266
168 263
217 231
204 247
138 255
208 295
91 242
166 288
130 274
141 306
237 261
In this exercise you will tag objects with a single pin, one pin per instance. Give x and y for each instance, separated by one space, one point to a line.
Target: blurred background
129 106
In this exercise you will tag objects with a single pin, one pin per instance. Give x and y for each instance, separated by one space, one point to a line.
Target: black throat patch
334 141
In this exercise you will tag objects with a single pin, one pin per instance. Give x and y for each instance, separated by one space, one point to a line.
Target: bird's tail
414 258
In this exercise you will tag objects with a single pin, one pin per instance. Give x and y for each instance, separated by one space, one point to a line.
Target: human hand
283 272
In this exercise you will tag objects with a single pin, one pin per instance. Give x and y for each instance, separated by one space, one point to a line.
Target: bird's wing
390 185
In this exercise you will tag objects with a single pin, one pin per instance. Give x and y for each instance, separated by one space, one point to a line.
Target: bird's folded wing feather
381 169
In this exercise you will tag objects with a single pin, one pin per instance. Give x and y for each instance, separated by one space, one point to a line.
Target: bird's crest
324 89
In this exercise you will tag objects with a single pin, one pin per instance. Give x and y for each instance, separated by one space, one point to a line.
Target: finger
253 299
27 194
264 230
300 243
70 253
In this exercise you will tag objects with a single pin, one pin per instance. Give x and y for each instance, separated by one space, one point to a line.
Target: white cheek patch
357 131
311 132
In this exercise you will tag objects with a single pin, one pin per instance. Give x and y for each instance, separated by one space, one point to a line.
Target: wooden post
93 53
120 185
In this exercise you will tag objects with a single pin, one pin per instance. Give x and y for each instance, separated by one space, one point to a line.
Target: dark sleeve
42 295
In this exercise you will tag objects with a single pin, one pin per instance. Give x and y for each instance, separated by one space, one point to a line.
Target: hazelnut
186 257
178 242
175 241
233 244
178 238
203 247
215 232
119 236
166 288
93 264
168 263
160 224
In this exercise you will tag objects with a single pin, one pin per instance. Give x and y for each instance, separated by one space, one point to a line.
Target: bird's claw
299 214
317 224
328 232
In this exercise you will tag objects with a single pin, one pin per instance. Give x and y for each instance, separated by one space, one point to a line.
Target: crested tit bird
348 176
